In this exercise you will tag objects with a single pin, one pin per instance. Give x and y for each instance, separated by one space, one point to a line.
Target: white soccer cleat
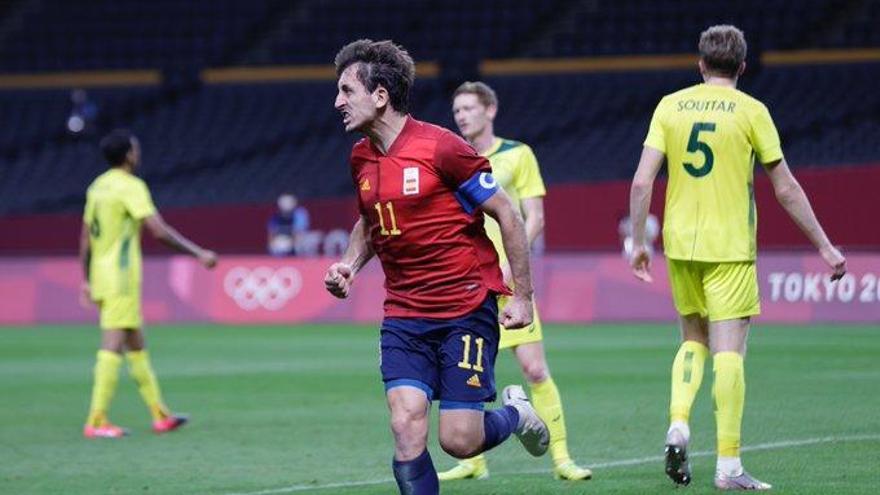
744 481
531 430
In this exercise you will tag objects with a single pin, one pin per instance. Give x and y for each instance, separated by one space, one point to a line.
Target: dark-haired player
117 203
421 194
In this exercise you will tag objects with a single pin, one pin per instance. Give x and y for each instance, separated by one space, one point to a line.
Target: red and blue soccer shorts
452 360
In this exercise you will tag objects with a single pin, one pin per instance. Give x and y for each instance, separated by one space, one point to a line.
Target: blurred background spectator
287 224
83 113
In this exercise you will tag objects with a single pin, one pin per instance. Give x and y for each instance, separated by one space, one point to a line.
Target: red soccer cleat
169 423
104 431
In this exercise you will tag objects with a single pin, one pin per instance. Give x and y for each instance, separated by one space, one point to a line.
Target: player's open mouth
346 117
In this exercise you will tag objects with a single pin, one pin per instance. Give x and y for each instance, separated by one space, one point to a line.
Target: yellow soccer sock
106 377
142 371
687 375
729 391
545 399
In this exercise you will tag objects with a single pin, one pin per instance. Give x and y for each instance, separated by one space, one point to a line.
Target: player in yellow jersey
117 203
515 168
710 135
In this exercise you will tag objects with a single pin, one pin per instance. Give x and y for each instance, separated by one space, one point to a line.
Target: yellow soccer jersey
116 204
515 169
711 136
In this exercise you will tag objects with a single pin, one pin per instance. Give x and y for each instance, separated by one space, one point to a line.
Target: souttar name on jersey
706 106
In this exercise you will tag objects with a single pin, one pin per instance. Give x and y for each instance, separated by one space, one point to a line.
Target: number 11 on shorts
465 360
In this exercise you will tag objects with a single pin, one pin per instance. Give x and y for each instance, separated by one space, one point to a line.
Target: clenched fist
338 279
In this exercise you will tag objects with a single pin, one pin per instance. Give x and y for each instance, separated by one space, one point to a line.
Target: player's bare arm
639 204
173 239
85 258
518 312
341 274
533 216
791 196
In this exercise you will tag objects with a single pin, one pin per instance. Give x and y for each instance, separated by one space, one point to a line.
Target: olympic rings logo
262 287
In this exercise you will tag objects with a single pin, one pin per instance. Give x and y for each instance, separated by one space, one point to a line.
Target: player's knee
463 445
403 426
535 371
407 422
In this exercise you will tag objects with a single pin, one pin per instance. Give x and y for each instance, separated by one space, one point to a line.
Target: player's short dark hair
382 63
115 146
723 49
485 94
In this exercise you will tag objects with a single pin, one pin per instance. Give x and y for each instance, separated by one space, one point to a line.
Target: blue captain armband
475 191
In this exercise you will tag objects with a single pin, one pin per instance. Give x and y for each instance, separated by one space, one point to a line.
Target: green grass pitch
300 410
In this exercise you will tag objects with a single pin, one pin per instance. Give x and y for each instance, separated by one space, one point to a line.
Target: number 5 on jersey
695 145
382 225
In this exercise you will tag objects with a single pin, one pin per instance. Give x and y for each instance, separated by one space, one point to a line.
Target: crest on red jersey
410 181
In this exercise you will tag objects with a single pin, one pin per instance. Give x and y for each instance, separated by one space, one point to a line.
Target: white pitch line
304 487
599 465
706 453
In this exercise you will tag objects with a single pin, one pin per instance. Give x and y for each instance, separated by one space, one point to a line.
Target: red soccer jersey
437 259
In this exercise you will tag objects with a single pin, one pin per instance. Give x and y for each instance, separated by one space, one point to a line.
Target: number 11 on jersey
466 358
382 229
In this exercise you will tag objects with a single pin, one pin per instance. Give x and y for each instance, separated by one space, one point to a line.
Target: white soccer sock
729 466
679 433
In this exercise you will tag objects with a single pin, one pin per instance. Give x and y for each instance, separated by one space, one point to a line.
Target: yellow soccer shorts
717 291
527 335
120 312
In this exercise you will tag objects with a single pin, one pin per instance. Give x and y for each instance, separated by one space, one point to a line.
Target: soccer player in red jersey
421 194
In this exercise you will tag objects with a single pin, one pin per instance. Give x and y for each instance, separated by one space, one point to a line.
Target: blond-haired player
710 136
117 203
515 168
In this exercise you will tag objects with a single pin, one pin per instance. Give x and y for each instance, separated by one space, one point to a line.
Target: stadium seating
859 28
247 143
175 35
452 30
123 34
670 26
206 144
